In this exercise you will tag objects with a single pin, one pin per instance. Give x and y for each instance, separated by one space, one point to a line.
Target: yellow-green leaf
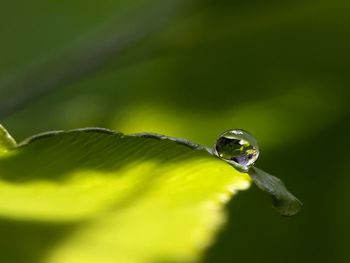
97 196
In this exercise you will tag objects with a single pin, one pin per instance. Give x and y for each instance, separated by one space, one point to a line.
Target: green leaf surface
94 195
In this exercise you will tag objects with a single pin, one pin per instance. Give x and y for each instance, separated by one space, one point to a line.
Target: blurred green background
193 69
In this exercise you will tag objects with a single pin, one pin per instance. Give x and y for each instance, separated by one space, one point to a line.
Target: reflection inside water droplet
237 147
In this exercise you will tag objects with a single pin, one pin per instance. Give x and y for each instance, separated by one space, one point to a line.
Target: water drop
237 147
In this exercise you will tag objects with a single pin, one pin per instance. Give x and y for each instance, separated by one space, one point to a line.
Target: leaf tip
282 200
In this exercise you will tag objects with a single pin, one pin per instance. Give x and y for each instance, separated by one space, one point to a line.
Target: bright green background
277 69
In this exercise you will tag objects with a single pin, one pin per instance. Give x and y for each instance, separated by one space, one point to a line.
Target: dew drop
237 147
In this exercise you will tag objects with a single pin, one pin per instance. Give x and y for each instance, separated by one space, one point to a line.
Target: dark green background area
279 69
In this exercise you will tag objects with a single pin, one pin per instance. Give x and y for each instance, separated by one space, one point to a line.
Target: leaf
94 195
6 141
285 202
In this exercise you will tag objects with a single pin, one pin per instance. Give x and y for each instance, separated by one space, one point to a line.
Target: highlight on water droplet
237 147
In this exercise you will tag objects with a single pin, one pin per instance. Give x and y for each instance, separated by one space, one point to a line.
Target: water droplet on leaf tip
237 147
